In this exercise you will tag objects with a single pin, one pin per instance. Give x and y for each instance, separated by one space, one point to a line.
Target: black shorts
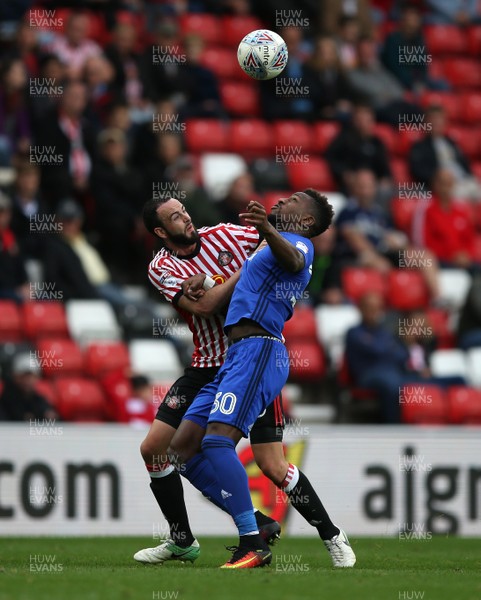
268 427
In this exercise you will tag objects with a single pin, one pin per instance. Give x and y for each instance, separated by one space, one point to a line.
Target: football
262 54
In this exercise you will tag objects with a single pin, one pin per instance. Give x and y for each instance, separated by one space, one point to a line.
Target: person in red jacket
445 226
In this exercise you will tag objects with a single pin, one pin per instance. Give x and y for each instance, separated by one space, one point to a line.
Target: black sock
308 504
254 542
169 493
262 519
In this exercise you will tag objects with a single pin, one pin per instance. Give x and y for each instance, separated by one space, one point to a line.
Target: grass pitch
103 569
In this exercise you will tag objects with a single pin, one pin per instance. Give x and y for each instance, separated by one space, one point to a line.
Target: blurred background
106 104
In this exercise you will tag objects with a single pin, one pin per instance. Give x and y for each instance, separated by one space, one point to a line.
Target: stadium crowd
104 105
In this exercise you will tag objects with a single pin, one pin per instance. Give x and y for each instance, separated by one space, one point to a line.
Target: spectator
438 150
130 77
117 190
74 264
379 361
28 205
405 54
13 276
325 285
453 12
139 409
167 151
469 327
287 96
19 400
184 186
200 89
377 86
347 39
331 11
445 226
330 93
71 136
163 63
98 75
47 88
74 47
118 117
358 147
26 47
14 117
365 235
239 194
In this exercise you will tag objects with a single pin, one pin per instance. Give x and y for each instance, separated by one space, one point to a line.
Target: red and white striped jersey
221 252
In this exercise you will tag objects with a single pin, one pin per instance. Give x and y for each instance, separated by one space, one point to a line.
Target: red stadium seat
271 198
467 139
406 138
302 324
476 168
462 72
47 389
439 321
402 211
357 281
59 357
464 405
45 319
345 381
103 357
223 62
206 26
80 400
240 99
449 101
206 135
323 134
477 248
406 290
423 405
306 361
250 137
474 40
470 108
234 28
400 170
292 133
388 136
10 322
314 173
445 39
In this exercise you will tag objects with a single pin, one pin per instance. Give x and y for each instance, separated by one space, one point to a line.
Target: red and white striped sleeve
164 275
247 237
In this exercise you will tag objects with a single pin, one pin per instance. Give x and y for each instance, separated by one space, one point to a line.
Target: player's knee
274 469
151 451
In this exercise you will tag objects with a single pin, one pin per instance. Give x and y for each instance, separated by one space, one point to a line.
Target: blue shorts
253 374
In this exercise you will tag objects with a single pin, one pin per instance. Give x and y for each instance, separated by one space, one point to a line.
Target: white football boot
168 551
339 548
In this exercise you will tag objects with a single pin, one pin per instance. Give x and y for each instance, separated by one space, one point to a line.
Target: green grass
103 569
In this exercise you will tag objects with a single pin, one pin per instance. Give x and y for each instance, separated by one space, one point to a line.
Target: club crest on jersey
172 402
224 258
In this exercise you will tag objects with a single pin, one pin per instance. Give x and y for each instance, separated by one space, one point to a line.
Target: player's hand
256 215
192 287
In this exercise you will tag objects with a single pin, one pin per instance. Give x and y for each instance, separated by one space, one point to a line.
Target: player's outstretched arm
287 255
212 301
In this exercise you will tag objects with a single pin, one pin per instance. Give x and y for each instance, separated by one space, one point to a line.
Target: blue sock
232 478
201 475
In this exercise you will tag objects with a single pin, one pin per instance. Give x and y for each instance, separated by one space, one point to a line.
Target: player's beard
181 239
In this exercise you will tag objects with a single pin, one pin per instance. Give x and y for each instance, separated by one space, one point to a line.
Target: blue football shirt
265 292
